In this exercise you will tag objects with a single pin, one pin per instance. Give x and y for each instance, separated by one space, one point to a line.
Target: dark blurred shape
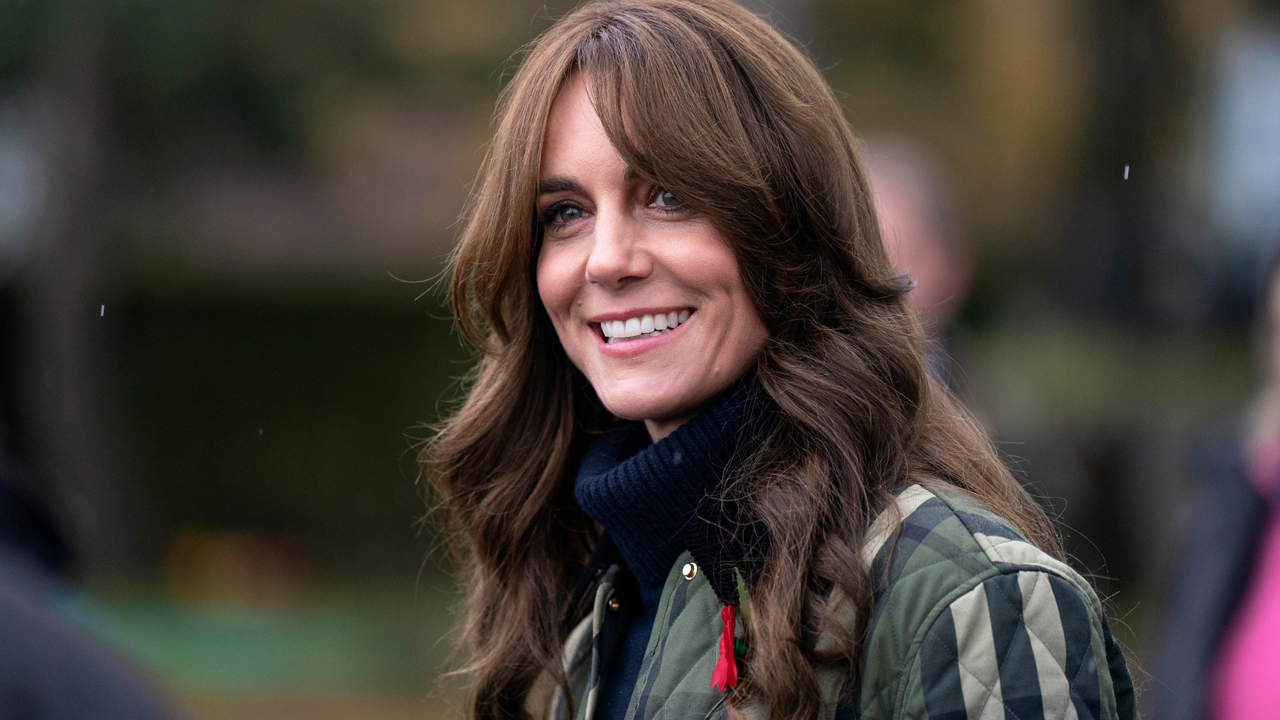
1217 563
50 670
28 526
1221 634
287 419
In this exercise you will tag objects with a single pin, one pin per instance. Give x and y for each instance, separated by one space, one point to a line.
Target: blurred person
701 469
1220 656
50 669
921 227
926 240
923 236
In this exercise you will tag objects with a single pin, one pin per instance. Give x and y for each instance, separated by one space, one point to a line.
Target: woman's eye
564 214
666 199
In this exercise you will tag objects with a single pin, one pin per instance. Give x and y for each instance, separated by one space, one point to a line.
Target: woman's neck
659 429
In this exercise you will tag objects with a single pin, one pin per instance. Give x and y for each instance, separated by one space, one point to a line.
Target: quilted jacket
970 622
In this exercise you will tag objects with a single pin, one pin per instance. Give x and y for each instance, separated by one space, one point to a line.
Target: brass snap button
690 570
614 604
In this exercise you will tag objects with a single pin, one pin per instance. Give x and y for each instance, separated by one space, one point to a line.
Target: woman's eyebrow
558 184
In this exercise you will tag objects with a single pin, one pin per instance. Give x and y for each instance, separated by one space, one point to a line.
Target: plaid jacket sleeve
973 622
1018 645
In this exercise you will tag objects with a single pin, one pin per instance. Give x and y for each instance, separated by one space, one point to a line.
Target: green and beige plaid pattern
970 622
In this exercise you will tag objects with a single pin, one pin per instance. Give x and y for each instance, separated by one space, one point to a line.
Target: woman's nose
617 256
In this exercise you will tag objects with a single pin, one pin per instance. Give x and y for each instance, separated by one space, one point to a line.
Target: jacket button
614 604
690 570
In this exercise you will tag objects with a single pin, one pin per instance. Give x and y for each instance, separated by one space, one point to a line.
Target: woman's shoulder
945 538
968 613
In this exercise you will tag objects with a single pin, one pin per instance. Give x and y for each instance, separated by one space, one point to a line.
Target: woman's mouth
643 326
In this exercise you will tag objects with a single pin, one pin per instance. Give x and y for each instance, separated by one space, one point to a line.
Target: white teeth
642 326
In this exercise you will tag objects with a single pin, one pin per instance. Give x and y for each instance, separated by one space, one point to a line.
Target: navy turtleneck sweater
646 497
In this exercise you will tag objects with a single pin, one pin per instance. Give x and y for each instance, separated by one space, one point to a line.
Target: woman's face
645 294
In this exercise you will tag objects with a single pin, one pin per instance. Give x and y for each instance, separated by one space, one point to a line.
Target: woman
1221 647
701 468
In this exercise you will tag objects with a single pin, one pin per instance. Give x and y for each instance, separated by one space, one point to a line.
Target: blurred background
220 340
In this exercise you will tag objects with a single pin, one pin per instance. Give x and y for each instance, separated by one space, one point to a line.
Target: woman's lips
641 326
618 347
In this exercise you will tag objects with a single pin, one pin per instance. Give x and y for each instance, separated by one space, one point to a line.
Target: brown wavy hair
706 100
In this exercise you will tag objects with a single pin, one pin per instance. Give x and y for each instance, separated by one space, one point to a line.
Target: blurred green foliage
349 639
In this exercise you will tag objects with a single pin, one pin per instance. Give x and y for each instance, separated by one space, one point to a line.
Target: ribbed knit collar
653 498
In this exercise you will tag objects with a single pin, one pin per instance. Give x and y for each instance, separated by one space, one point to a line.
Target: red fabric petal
726 672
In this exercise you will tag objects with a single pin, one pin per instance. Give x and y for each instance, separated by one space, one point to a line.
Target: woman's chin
646 406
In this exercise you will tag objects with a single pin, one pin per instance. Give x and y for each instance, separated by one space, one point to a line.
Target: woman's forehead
575 135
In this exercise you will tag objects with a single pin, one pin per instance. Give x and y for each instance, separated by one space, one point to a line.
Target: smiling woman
701 470
644 292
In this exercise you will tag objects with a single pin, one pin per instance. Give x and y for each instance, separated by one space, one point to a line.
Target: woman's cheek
545 278
554 276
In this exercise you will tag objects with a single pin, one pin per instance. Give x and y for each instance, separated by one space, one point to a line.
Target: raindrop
1126 172
102 311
